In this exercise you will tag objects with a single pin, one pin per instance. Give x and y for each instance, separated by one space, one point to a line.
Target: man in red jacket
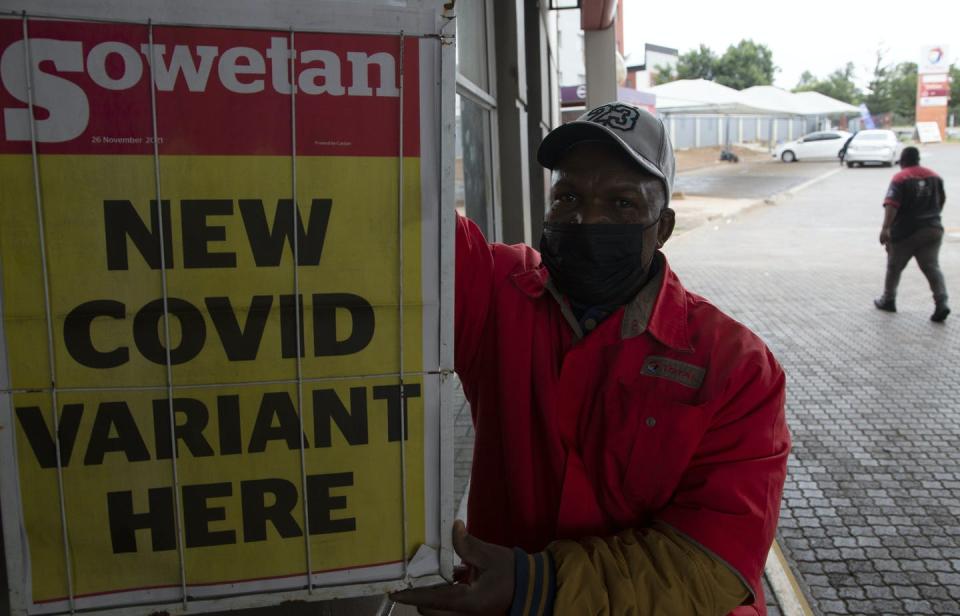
631 446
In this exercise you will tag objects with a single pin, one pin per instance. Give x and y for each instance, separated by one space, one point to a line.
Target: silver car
873 146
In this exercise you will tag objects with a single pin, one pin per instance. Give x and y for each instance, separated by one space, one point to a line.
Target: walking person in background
842 154
912 229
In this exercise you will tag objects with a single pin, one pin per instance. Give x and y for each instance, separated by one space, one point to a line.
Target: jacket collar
667 320
659 308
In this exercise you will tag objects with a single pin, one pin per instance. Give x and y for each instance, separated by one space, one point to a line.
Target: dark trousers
924 246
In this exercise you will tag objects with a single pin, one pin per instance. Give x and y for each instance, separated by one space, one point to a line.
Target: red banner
218 91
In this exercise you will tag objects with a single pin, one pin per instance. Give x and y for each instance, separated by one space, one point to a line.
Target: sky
815 35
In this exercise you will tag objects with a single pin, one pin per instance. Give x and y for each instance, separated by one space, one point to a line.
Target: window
472 60
476 118
473 174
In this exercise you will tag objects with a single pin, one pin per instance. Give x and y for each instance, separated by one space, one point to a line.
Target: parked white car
873 146
822 145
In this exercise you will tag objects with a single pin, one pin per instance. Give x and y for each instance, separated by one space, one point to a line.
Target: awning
821 104
704 96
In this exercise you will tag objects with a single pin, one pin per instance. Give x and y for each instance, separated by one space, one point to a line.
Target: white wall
656 59
570 48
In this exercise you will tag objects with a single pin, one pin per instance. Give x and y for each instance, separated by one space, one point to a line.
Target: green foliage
746 64
807 83
893 88
839 84
878 90
664 74
697 64
903 91
741 66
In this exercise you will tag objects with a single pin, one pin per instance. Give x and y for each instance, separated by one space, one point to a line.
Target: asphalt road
749 180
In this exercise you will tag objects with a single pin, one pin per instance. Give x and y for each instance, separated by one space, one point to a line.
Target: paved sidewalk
692 212
870 512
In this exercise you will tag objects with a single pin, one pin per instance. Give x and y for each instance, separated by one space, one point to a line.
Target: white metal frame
447 74
48 316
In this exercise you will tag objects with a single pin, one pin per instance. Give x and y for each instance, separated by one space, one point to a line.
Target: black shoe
940 313
887 305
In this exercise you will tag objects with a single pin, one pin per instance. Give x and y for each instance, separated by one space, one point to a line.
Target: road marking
784 585
808 183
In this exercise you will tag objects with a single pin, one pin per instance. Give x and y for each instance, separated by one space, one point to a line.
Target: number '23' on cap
641 135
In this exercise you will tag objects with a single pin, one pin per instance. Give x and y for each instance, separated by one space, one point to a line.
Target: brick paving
871 510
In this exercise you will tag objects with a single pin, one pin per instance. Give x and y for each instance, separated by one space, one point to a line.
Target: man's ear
665 228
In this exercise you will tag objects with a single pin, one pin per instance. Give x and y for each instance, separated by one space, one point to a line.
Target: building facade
507 100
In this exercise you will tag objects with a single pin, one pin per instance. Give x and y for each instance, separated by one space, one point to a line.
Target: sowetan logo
181 67
620 117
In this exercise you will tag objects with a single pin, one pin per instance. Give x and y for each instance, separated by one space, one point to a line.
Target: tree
903 92
808 82
698 63
839 84
878 90
741 66
893 89
746 64
664 74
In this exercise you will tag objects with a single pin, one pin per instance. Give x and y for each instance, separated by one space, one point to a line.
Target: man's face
597 183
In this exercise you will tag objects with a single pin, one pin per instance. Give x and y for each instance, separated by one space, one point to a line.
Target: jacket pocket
668 434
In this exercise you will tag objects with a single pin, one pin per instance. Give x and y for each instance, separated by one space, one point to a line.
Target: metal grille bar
51 358
166 319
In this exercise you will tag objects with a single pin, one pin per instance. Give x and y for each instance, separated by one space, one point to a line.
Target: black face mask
595 264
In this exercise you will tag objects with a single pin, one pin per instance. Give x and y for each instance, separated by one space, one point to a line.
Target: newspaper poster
221 298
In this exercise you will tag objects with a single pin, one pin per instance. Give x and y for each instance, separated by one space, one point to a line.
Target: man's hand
885 236
489 590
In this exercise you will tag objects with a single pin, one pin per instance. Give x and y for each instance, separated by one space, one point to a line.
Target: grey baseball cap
641 135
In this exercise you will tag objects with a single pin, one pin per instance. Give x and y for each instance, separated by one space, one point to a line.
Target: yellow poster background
360 257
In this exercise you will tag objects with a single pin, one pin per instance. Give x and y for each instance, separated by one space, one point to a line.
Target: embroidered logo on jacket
686 374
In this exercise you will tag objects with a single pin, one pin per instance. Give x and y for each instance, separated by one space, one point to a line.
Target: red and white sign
934 90
349 96
933 87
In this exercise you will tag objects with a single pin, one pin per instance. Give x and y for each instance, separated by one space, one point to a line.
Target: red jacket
674 413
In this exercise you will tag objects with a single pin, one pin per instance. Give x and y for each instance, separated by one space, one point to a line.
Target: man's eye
567 198
624 203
